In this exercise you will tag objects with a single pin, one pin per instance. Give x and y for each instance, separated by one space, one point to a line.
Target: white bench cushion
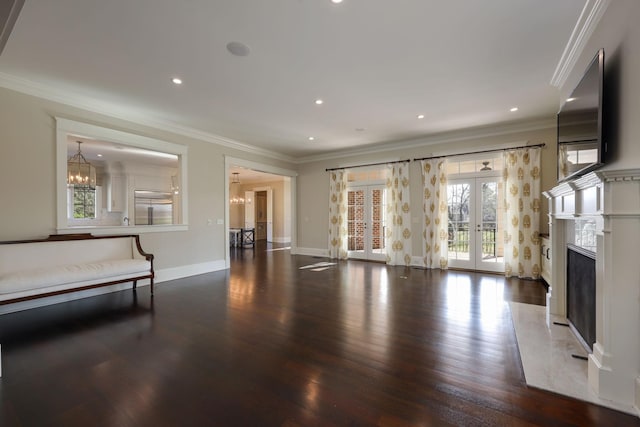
15 258
57 275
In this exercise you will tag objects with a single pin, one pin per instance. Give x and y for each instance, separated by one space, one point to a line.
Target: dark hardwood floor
269 344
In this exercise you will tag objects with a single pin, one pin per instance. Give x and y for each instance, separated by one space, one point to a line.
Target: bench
66 263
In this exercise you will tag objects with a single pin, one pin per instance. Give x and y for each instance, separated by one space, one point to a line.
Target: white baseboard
166 274
281 240
637 403
312 252
162 275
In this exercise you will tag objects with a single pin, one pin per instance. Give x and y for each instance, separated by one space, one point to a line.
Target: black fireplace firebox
581 293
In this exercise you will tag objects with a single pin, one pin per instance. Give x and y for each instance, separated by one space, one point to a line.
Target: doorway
366 222
258 213
475 223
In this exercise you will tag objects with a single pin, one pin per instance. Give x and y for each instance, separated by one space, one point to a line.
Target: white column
614 365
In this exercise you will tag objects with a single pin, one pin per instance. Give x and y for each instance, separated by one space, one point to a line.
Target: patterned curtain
563 157
434 230
522 207
338 214
398 230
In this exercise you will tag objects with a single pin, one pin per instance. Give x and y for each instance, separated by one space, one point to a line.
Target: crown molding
83 102
75 100
589 18
619 175
448 137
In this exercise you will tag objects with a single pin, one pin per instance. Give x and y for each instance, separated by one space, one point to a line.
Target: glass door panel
366 222
459 203
475 224
489 230
379 208
356 223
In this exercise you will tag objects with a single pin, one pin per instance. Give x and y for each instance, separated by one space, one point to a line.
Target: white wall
619 34
27 171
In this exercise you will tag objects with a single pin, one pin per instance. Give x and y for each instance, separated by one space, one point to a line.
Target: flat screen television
581 147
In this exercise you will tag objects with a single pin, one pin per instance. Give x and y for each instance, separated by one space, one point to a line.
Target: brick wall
356 220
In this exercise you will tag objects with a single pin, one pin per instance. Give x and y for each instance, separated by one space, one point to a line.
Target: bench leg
151 284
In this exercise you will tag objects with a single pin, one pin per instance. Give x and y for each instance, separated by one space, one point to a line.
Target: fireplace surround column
612 199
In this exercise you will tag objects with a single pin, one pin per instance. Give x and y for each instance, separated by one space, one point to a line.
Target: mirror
140 182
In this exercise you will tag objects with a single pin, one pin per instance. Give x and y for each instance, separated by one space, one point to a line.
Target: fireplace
595 284
581 293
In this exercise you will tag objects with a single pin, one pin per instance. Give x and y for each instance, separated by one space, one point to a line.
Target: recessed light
319 102
514 109
421 116
177 80
99 155
570 99
336 1
311 138
238 49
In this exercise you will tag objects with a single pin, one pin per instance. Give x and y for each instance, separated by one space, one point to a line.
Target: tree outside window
84 202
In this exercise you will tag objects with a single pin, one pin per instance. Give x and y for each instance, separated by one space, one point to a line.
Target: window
84 201
487 163
124 163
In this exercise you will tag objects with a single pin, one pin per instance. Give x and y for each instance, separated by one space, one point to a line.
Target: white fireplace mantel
612 200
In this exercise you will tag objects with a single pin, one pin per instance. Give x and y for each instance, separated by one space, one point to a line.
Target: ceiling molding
449 137
78 101
589 18
38 90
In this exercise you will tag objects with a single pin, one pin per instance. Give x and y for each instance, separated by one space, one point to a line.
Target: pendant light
79 170
235 182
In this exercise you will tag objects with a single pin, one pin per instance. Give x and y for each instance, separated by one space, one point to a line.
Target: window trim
66 127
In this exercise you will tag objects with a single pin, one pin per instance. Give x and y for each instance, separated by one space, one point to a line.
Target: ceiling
104 152
376 64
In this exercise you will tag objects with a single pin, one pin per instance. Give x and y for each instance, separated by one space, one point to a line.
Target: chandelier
234 188
80 171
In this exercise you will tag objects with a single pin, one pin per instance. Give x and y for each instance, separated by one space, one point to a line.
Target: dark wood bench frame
85 236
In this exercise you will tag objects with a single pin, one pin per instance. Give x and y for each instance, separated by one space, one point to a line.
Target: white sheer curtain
398 229
522 207
338 214
434 230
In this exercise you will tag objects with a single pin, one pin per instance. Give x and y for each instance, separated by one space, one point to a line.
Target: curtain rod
480 152
369 164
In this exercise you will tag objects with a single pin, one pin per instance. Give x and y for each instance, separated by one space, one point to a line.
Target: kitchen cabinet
117 193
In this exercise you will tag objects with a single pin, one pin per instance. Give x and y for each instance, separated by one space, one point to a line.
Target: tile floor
546 351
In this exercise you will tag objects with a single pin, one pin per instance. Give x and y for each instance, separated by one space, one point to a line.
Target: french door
366 222
475 230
